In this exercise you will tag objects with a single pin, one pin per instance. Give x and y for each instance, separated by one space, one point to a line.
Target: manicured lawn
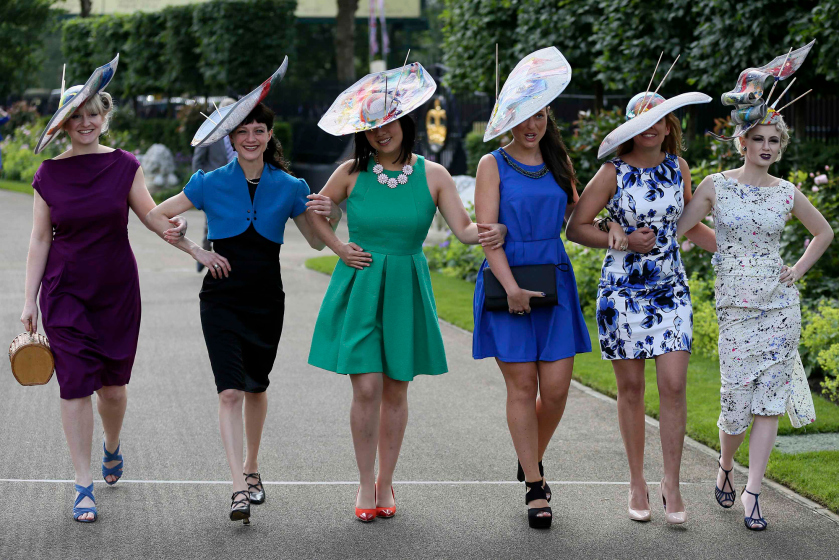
814 474
16 186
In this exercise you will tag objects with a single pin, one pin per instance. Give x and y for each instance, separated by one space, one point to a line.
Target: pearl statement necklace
402 179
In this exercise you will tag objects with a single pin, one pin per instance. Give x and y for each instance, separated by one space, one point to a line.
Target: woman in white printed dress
644 309
758 305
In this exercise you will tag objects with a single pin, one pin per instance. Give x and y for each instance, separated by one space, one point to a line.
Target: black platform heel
755 523
240 510
536 492
721 494
520 477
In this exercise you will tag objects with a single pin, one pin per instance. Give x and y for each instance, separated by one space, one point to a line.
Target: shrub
589 132
19 160
476 148
706 330
587 263
820 338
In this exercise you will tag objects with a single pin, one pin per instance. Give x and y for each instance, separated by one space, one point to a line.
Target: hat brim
223 121
98 81
635 126
528 107
345 115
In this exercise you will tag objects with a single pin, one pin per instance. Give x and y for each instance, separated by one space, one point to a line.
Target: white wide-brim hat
378 99
73 98
224 120
536 80
639 123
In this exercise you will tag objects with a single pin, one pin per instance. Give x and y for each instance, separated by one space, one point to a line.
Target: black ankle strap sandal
240 509
536 492
721 494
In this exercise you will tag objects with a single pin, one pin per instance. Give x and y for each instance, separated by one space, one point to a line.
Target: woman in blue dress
644 309
529 186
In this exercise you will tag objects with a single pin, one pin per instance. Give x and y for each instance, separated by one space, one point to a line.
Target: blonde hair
780 126
672 143
100 104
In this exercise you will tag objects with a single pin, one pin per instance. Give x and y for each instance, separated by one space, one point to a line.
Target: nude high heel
676 518
639 514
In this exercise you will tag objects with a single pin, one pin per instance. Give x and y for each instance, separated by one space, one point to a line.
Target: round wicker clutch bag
31 359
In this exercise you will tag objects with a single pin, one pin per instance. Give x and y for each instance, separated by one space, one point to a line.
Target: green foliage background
23 24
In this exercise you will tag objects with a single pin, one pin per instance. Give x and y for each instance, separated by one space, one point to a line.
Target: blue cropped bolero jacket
223 195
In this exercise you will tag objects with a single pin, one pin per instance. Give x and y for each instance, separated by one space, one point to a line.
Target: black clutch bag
535 277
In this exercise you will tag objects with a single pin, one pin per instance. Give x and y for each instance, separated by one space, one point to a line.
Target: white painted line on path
351 482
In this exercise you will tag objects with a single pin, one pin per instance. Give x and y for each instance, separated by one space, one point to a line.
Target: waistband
746 265
372 248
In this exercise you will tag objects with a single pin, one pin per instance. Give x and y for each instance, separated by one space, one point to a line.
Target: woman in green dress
378 319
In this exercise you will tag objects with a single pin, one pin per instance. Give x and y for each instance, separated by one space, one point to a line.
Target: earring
744 148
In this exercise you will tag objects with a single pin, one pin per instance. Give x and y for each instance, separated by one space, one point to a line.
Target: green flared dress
383 318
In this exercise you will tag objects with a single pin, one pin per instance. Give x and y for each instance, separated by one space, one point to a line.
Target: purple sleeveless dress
90 292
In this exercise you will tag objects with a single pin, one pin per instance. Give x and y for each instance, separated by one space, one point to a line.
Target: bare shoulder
105 149
683 165
488 163
435 170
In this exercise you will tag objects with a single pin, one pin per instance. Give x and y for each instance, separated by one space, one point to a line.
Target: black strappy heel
536 492
240 510
255 491
754 523
720 493
520 478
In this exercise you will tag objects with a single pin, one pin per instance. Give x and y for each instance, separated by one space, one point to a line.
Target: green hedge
184 50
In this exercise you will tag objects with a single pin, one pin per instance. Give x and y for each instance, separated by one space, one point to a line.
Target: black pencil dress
242 315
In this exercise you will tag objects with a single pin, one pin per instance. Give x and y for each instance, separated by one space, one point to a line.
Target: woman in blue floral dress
643 301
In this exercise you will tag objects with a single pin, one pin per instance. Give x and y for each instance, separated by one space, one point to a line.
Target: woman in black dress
247 203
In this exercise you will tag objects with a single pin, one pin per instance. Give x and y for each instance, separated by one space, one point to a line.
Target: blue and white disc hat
642 112
75 97
224 120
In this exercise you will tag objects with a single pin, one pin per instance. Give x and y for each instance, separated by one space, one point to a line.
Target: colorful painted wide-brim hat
224 120
377 99
642 112
536 80
747 97
73 98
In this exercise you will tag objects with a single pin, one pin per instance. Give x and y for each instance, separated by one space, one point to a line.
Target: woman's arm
453 211
695 211
337 189
40 242
700 234
320 205
142 204
595 197
822 234
487 201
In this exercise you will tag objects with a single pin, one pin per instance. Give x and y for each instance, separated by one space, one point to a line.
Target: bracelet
602 223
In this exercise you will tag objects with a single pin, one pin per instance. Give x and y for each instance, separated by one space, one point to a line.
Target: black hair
273 155
556 158
363 151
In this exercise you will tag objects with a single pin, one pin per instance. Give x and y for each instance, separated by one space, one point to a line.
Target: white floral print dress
643 301
759 317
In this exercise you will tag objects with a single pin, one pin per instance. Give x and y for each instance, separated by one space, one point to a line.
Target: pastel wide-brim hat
224 120
536 80
642 112
378 99
75 97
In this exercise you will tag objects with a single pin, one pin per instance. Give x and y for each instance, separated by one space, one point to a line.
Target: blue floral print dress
643 301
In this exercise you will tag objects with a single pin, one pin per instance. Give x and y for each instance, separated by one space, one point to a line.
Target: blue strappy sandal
720 493
754 523
115 471
79 511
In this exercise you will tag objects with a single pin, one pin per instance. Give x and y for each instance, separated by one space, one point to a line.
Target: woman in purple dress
81 261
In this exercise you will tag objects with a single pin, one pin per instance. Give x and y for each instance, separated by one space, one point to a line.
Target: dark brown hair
556 158
672 142
363 151
274 150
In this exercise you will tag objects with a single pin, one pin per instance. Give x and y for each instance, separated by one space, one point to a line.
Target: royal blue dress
533 211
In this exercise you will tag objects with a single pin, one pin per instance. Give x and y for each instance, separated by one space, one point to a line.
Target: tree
85 8
567 25
345 39
822 24
471 28
23 24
